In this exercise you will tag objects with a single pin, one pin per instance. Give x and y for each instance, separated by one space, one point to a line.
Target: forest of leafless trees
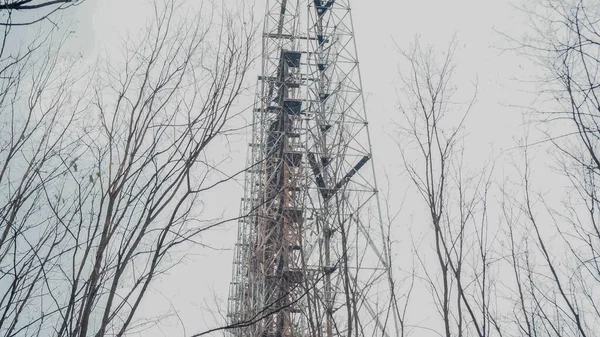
531 269
103 166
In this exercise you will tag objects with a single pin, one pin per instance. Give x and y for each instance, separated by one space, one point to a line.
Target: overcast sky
382 27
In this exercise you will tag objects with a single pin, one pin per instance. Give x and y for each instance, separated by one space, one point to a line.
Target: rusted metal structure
308 261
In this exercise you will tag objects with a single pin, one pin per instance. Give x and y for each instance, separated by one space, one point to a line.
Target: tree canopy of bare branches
546 252
103 170
432 146
28 12
555 254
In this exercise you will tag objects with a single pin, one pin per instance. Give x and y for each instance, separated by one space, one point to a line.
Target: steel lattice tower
308 260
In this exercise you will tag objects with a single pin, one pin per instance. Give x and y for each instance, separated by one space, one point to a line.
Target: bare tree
29 12
430 138
102 189
557 275
33 125
401 280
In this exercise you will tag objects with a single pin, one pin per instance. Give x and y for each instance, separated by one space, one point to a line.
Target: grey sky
381 27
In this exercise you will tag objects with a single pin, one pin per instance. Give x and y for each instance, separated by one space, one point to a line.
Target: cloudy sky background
484 59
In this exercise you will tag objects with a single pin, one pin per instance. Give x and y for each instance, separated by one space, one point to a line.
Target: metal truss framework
308 260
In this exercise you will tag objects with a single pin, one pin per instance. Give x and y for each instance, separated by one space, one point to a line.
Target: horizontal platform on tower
291 58
290 37
289 84
322 6
293 214
292 106
299 79
293 276
293 158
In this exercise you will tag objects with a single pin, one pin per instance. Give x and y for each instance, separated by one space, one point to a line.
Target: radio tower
309 260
